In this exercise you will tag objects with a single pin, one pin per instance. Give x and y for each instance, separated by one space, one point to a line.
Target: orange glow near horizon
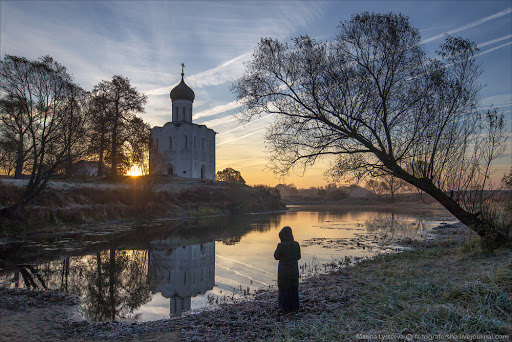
135 171
250 157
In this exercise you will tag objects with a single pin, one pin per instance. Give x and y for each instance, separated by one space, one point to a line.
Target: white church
185 149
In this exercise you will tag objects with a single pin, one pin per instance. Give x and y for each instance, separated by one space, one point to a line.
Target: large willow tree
374 100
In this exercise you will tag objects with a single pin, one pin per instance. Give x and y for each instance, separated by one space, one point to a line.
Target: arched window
170 143
186 141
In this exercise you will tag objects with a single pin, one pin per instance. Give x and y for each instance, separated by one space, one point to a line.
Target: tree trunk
102 149
20 158
69 163
114 151
482 228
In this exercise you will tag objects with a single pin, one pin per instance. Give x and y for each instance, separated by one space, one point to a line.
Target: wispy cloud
493 41
241 137
219 109
226 72
209 77
470 25
245 125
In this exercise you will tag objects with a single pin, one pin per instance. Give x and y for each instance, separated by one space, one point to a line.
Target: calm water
165 269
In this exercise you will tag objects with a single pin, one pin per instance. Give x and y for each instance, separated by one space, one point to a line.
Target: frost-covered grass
451 287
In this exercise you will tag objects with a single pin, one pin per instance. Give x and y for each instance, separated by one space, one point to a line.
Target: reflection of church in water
180 273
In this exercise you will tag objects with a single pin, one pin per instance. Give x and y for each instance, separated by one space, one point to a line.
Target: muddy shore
331 304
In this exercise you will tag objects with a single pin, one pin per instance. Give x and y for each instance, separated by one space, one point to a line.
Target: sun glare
134 171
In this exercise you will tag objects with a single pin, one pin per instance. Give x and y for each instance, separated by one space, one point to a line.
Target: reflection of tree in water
231 229
31 277
232 240
118 285
395 228
111 284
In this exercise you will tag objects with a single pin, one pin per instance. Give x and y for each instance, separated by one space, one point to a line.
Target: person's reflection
180 273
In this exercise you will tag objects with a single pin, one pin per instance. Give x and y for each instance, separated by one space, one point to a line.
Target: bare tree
99 128
15 79
74 128
373 100
137 142
44 96
117 102
7 154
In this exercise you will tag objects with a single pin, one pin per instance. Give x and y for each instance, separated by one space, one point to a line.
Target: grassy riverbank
448 286
132 198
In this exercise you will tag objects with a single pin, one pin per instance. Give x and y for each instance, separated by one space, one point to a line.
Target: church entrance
203 171
170 171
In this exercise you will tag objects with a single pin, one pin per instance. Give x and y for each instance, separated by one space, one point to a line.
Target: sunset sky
147 41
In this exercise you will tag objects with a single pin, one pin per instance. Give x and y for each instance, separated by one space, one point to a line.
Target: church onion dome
182 92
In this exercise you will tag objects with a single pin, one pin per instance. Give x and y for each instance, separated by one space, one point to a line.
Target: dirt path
34 316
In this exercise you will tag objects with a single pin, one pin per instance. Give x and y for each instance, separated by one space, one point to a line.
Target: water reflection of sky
232 257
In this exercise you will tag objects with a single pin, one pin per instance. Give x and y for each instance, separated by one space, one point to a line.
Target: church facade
181 147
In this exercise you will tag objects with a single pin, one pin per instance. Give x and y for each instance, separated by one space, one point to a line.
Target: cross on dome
182 91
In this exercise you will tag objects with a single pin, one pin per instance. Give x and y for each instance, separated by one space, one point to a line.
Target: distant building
85 168
184 149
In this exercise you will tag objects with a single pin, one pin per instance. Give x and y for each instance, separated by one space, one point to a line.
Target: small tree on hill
230 175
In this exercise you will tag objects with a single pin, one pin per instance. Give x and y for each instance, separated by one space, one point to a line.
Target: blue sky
147 41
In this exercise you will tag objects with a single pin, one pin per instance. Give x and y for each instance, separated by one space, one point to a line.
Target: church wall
184 149
193 148
181 110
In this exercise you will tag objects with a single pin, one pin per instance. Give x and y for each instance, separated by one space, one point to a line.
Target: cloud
490 42
498 100
226 72
470 25
246 124
219 109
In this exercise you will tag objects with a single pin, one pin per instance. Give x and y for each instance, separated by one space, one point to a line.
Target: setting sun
134 171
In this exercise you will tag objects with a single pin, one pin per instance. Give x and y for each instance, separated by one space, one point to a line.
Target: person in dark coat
288 254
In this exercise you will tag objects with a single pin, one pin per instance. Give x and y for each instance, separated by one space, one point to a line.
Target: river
164 269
